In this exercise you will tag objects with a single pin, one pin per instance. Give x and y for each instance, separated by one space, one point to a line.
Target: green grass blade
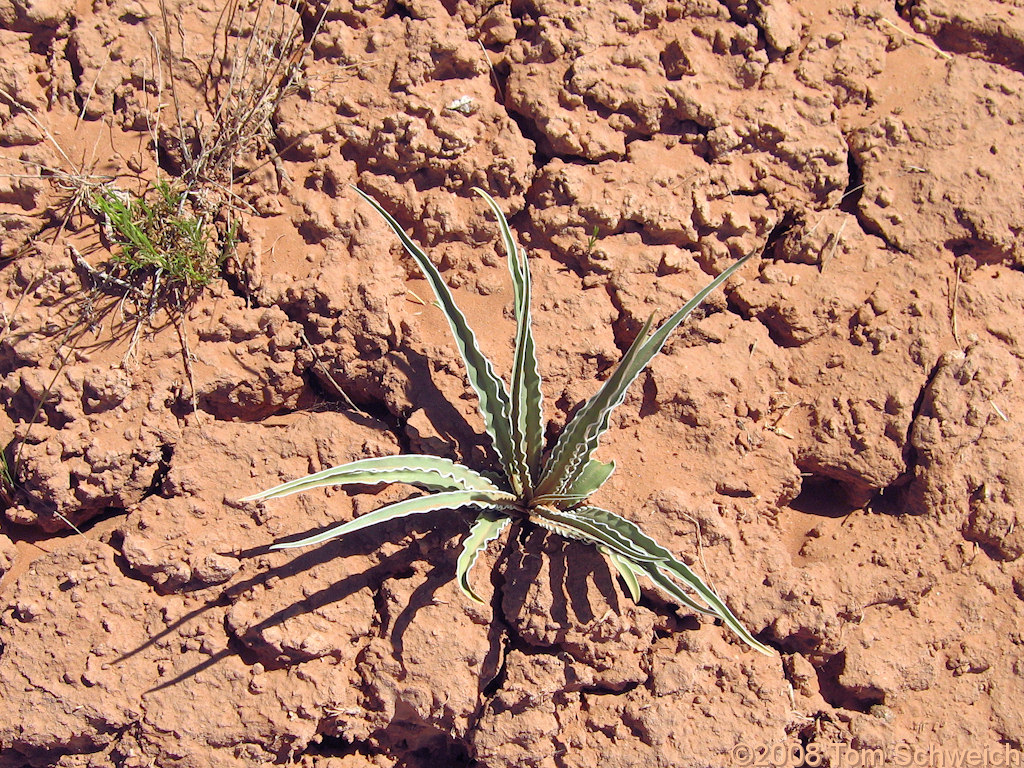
121 219
488 526
582 434
415 506
490 389
526 398
429 472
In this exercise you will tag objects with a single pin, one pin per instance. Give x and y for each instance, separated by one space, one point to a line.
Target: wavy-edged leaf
625 539
659 578
596 526
592 477
722 610
681 572
626 571
431 473
488 526
616 536
415 506
493 397
580 437
582 434
525 397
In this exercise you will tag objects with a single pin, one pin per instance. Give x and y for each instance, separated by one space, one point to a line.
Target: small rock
215 569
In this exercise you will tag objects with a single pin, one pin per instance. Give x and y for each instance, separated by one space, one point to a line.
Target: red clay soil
829 441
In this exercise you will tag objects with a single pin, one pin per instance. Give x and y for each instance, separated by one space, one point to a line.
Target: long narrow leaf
684 574
525 400
573 448
431 473
488 526
415 506
593 475
658 576
627 541
620 539
490 389
582 434
626 571
600 528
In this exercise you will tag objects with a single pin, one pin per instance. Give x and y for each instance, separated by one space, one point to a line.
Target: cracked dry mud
830 440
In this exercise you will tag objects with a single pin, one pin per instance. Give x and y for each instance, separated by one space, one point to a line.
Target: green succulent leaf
431 473
488 526
526 398
626 571
418 505
624 539
603 529
722 611
592 477
582 434
493 396
598 527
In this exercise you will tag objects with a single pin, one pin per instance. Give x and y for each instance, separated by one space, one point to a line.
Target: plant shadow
461 440
575 571
401 564
572 569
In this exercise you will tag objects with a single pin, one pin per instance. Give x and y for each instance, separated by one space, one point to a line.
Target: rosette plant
548 488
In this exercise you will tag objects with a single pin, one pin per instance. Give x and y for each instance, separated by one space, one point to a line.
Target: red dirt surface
830 440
